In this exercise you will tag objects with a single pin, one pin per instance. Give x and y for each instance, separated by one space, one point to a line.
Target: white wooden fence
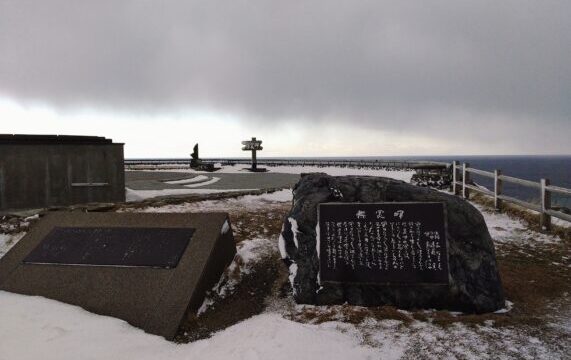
461 185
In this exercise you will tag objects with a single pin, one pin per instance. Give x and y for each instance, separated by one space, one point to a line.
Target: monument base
147 269
473 278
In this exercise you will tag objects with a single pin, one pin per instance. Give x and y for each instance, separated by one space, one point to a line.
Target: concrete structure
153 297
40 171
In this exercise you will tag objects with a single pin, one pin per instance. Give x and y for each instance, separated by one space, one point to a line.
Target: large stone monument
375 241
148 269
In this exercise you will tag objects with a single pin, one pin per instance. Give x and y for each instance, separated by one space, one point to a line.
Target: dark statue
197 164
194 162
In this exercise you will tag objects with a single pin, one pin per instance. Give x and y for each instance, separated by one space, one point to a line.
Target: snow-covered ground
139 195
505 229
38 328
227 205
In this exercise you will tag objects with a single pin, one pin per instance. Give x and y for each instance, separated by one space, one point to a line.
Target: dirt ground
533 279
536 279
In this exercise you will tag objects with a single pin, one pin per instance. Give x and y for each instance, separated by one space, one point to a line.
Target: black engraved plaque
112 246
383 243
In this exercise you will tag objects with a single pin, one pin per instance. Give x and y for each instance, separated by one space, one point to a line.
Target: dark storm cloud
423 65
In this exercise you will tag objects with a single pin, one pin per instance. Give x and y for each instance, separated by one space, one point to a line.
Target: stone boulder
474 281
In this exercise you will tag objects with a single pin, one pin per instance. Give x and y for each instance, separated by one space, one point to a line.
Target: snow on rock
39 328
294 230
9 240
281 246
292 273
225 227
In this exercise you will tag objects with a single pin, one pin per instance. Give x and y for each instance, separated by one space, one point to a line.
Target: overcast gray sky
320 77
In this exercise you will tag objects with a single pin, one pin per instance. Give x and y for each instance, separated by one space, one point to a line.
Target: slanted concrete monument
148 269
376 241
253 146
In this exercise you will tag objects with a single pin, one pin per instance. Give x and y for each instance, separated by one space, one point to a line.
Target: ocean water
555 168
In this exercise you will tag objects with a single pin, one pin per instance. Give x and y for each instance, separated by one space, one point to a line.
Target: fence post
465 180
455 177
498 187
545 205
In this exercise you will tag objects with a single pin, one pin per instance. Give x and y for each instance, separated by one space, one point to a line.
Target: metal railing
462 185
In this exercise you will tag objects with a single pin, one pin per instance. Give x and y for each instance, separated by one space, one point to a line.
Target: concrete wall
45 175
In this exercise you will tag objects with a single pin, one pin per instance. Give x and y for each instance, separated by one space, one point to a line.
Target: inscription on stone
120 246
383 243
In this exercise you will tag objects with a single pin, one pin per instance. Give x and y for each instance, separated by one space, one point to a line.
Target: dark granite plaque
112 246
149 269
383 243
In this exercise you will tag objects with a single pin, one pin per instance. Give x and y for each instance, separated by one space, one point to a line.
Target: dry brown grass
531 277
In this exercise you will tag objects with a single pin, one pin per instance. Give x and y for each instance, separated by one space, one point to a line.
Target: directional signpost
253 145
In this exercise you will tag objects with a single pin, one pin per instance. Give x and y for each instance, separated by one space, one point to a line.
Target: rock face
474 284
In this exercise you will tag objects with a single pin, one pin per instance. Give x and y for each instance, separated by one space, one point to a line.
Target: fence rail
462 185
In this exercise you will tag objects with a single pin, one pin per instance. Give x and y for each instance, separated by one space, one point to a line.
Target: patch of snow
245 202
457 341
225 227
317 239
281 245
506 229
7 241
251 250
508 308
39 328
206 304
33 217
284 195
248 252
204 183
294 230
140 195
195 179
560 222
292 274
